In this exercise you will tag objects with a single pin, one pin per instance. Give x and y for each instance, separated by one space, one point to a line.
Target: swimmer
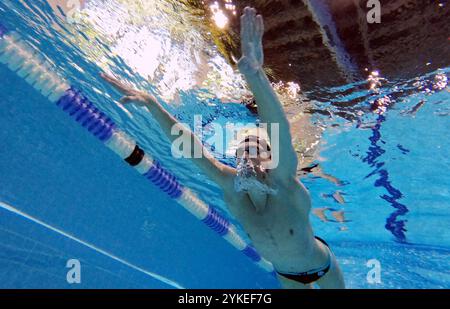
271 204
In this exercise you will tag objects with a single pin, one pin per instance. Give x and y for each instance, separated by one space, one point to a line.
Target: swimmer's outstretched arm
218 172
269 106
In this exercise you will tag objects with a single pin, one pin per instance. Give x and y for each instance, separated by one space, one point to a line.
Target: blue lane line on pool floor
93 247
393 223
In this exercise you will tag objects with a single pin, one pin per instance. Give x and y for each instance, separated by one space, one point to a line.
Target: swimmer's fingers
245 33
252 30
133 99
118 85
131 95
127 99
259 28
251 21
259 32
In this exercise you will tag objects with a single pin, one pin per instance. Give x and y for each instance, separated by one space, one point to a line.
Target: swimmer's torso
281 232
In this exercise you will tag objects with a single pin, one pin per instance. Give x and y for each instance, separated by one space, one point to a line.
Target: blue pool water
65 196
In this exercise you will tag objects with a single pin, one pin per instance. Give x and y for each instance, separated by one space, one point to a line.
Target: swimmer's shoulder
291 188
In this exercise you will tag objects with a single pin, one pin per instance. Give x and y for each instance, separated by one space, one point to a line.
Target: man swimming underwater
271 204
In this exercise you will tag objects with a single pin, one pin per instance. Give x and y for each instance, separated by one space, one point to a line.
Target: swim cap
254 146
254 141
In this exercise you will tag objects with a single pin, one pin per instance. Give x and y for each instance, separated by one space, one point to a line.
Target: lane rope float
28 64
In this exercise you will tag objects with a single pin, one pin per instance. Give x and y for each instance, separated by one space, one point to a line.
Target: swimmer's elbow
218 172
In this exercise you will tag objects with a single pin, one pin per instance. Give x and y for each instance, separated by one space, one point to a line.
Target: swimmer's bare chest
282 230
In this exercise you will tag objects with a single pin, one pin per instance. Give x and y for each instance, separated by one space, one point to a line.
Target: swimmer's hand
252 30
131 95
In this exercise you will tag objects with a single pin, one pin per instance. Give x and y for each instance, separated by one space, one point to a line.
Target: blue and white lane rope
33 68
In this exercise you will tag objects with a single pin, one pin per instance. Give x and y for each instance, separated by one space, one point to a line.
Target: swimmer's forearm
269 106
271 111
167 122
206 162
